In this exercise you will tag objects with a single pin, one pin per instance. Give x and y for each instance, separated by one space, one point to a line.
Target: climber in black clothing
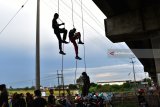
58 31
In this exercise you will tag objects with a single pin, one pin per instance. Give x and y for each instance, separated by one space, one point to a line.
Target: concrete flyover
136 22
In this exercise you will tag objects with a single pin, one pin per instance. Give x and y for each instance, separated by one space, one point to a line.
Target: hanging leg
60 43
76 49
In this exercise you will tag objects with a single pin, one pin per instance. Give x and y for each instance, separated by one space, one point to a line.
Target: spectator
141 99
86 84
29 99
51 98
63 100
39 101
15 100
78 101
68 101
3 96
22 100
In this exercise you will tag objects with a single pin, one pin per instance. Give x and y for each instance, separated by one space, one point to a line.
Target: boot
65 42
80 42
61 52
77 57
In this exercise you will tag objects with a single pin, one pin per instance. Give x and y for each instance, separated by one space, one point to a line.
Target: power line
30 80
81 18
96 20
92 15
13 17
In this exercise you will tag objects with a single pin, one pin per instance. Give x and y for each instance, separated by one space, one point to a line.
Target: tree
79 80
26 88
72 86
115 87
148 80
126 85
11 87
93 84
32 87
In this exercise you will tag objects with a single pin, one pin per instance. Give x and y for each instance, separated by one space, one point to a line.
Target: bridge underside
136 22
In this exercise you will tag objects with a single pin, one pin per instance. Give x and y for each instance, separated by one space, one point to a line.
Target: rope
74 27
13 17
83 20
91 15
62 81
62 69
76 72
83 36
59 13
58 6
72 14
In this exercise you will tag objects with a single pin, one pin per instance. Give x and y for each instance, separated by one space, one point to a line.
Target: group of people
18 100
73 36
36 100
93 100
30 100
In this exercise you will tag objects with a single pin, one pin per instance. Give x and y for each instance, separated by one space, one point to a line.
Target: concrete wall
133 23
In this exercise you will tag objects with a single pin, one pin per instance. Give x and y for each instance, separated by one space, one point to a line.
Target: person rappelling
58 32
73 35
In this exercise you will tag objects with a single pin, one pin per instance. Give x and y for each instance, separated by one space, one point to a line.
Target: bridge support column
156 52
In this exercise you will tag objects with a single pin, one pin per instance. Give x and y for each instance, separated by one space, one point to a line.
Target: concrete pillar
156 52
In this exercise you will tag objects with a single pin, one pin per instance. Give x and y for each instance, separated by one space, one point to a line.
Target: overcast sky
17 45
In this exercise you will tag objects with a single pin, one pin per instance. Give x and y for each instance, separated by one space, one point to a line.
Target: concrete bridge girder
136 22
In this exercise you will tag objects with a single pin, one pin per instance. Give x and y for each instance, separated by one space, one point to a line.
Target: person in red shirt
73 35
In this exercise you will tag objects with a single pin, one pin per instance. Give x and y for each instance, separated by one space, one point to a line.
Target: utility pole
134 73
38 46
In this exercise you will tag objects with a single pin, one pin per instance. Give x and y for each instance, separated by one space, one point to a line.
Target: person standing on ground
29 99
51 98
141 99
39 101
86 84
3 96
